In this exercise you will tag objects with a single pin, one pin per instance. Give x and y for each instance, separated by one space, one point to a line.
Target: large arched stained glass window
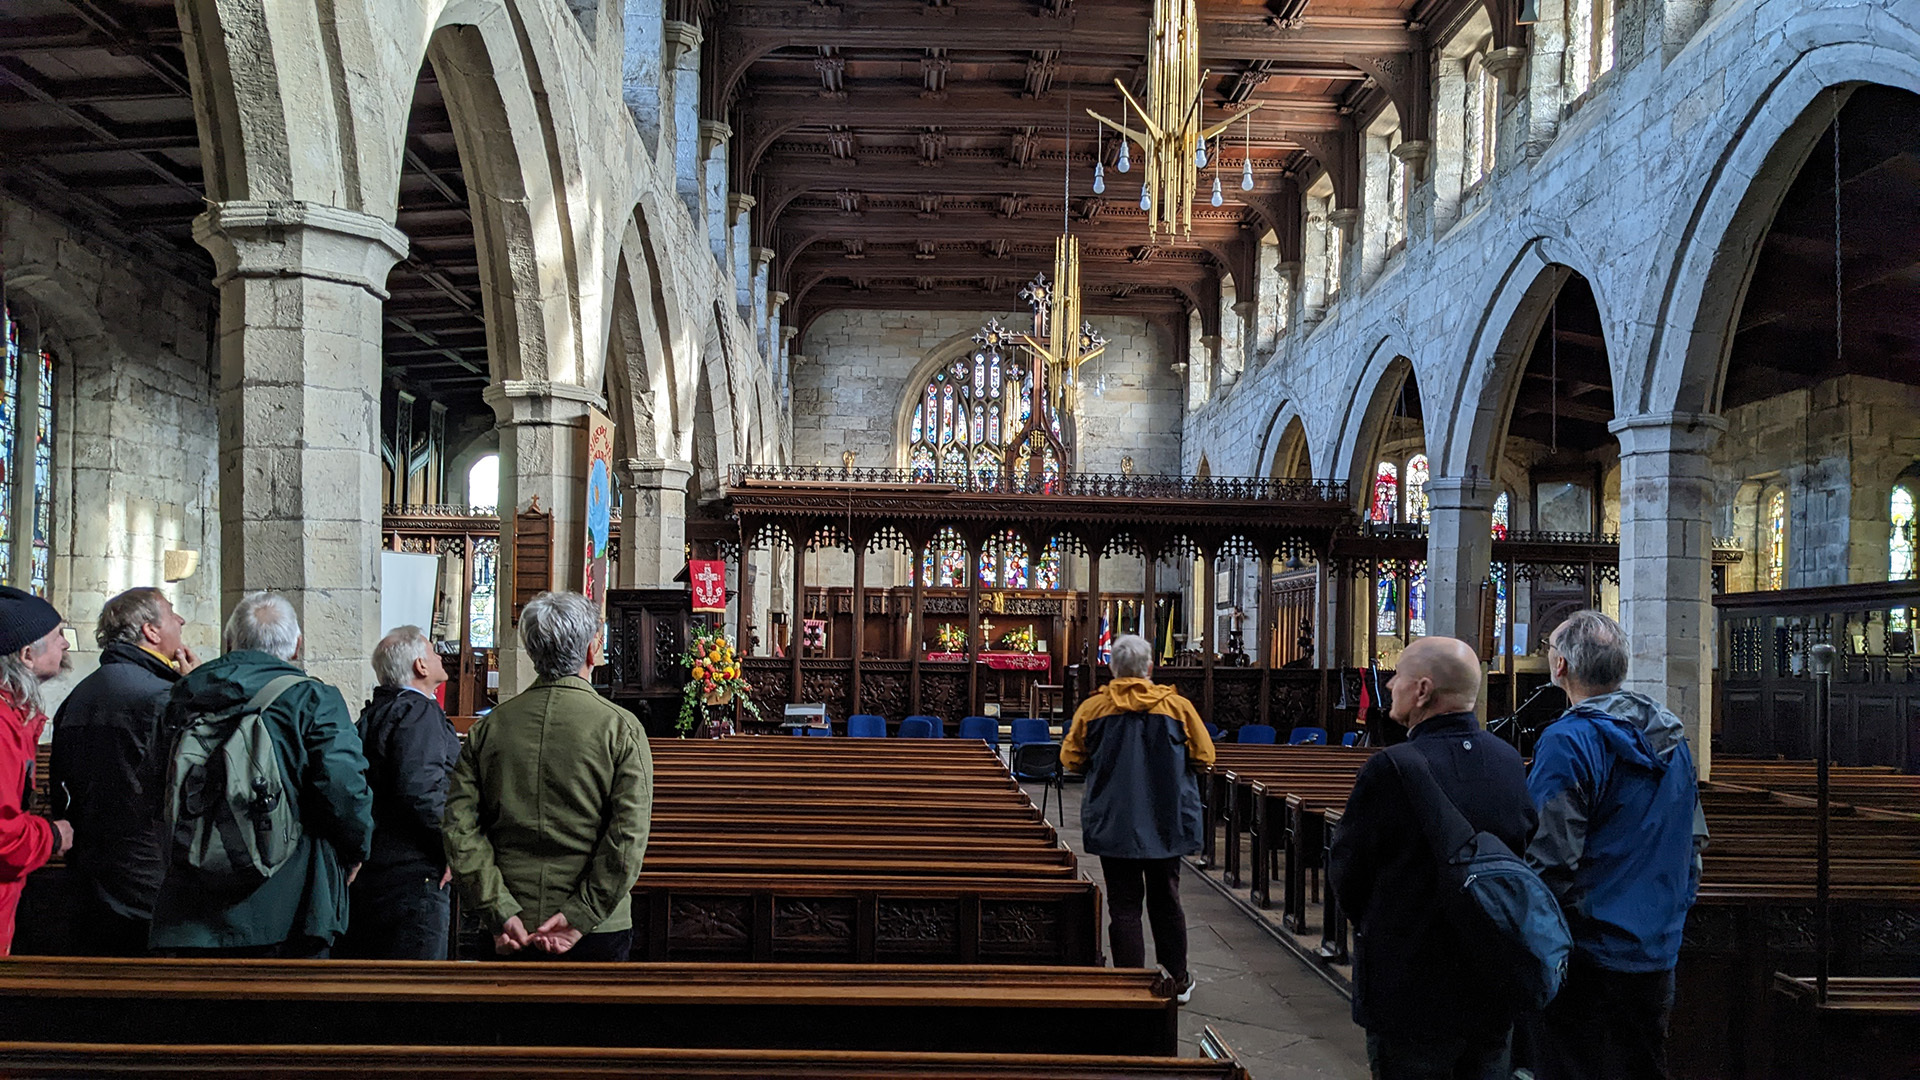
1386 493
1419 510
1900 538
26 461
966 412
1773 532
1502 528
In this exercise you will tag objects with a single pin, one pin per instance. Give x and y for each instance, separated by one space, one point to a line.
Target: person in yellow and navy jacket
1138 744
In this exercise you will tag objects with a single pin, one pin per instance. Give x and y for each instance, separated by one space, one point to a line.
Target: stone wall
135 425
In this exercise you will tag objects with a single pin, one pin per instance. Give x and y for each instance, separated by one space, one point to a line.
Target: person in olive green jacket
548 809
302 908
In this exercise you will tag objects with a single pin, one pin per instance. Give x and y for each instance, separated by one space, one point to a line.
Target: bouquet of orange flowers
717 679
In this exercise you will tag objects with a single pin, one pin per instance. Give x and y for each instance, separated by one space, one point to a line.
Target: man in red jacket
32 650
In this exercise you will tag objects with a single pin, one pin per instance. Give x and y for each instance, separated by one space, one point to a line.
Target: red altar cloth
1000 661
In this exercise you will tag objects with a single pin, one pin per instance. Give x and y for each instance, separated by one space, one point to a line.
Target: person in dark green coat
302 908
549 805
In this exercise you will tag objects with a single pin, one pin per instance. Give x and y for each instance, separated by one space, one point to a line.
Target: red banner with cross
709 580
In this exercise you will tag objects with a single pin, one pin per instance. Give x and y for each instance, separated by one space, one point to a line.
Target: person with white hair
1138 745
401 907
216 902
548 811
33 649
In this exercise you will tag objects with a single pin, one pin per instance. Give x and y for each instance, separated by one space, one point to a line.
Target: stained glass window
20 476
1502 527
481 613
1774 530
43 482
1900 542
1386 492
9 425
1049 569
1387 618
1502 516
945 563
1417 603
963 415
1418 508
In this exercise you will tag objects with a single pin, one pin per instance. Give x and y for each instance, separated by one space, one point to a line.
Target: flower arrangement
1021 640
951 638
717 678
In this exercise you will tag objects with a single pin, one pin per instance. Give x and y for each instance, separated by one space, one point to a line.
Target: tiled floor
1280 1019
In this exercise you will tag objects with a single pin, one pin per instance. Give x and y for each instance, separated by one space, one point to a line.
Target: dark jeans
1606 1025
1447 1057
106 932
297 947
609 947
1156 881
400 913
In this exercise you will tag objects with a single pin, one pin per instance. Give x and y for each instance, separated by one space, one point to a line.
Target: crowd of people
234 807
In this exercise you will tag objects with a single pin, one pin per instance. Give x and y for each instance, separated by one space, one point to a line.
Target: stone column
541 425
1666 563
301 288
683 60
714 136
1247 311
1459 553
772 344
653 530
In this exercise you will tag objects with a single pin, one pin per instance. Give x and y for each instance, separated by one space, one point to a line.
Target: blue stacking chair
919 727
981 727
867 726
1028 729
1215 731
1307 736
1256 733
939 725
816 731
1351 738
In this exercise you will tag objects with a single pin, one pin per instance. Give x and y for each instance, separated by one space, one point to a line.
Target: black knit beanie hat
24 619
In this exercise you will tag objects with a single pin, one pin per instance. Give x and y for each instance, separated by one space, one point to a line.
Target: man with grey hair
1619 842
1138 744
298 911
400 902
550 802
109 766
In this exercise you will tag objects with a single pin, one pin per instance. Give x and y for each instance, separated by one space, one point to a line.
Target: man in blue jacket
1619 843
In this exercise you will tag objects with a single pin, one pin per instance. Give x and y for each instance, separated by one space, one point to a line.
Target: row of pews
808 908
1271 811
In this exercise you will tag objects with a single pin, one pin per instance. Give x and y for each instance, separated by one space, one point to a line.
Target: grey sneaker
1186 991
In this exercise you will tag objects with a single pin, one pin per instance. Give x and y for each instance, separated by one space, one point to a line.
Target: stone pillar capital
788 333
713 133
1667 433
530 402
1415 153
1474 492
1344 218
682 38
738 206
1504 64
1245 308
658 473
776 299
257 238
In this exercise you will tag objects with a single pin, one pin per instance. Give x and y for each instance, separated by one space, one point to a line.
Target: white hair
1595 648
393 658
263 622
1132 657
558 629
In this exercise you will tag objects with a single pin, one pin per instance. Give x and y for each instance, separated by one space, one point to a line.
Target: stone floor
1278 1017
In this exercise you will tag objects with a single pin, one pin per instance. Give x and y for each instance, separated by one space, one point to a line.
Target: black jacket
106 770
411 750
1411 975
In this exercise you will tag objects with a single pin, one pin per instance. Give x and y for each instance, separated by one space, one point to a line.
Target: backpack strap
1447 830
271 692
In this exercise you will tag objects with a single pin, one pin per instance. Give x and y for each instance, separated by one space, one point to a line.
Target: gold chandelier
1056 317
1174 143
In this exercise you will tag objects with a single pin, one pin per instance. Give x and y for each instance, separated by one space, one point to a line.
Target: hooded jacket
1621 828
1135 741
320 755
26 840
410 748
105 736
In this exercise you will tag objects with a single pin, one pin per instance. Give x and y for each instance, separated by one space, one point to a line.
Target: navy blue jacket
411 749
1412 976
1621 828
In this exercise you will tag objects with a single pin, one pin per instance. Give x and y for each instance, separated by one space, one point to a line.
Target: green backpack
228 806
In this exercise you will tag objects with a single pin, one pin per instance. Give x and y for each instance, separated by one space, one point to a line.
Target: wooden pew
36 1060
958 1009
1868 1029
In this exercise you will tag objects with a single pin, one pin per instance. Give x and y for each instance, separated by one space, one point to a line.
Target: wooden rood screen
855 851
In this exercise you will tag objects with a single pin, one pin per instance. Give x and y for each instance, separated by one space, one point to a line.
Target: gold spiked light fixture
1173 142
1069 342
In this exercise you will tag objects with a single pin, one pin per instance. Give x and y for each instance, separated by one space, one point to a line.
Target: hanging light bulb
1246 174
1146 199
1216 200
1125 163
1099 178
1246 158
1200 155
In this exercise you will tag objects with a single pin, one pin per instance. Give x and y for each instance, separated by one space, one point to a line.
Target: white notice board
408 584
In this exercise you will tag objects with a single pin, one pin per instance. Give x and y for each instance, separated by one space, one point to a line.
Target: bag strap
1447 830
271 692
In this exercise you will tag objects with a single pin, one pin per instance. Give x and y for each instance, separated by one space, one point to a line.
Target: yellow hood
1138 695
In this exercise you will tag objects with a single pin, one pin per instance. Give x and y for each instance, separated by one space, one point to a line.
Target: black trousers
1445 1057
397 914
610 947
1157 882
297 947
1606 1025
